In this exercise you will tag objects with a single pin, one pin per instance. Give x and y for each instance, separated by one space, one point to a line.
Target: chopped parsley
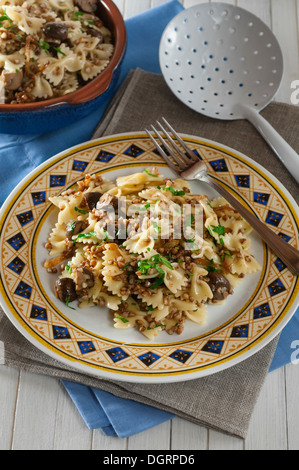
124 320
44 45
151 174
145 265
85 235
4 17
158 282
68 267
173 191
106 235
220 229
82 211
156 227
211 269
57 49
67 303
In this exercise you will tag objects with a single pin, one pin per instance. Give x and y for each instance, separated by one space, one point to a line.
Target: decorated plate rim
147 375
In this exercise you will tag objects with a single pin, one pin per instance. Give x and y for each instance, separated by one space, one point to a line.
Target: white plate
85 338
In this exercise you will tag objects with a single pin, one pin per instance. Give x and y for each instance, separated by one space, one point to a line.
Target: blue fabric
99 409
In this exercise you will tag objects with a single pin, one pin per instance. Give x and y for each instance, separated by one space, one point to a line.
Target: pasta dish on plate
50 48
146 248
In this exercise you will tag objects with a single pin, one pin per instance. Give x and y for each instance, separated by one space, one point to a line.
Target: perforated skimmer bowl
224 62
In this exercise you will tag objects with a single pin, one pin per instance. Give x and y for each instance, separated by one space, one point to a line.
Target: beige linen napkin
223 401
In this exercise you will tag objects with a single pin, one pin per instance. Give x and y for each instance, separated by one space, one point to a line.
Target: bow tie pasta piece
25 22
42 88
11 62
54 69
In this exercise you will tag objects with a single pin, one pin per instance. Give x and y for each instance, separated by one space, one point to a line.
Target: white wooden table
36 413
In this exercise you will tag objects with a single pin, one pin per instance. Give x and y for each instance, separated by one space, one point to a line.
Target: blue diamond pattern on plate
86 346
261 198
240 331
276 287
24 290
17 241
243 181
117 354
133 151
57 180
60 332
16 265
181 355
79 166
279 264
39 313
163 148
262 311
285 237
219 165
213 346
148 358
38 197
274 218
104 156
25 217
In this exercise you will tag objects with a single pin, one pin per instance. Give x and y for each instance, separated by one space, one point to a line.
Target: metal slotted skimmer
224 62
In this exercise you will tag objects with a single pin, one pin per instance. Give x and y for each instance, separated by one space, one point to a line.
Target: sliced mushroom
219 286
65 289
55 31
95 33
13 80
91 199
107 200
84 279
75 227
89 6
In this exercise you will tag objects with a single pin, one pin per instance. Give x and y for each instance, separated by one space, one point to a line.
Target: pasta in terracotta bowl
58 59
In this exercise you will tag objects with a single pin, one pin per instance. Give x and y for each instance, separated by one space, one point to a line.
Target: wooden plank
221 441
9 380
188 436
267 429
134 8
70 432
285 27
292 387
120 5
35 413
102 442
157 438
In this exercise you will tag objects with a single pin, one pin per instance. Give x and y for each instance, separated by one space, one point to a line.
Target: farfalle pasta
50 48
149 250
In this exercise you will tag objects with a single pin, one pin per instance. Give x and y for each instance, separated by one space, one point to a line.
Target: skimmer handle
283 150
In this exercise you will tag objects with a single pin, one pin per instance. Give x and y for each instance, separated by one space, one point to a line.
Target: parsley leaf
124 320
158 282
67 303
85 235
151 174
220 229
82 211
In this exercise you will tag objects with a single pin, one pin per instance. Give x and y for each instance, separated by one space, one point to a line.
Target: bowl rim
96 86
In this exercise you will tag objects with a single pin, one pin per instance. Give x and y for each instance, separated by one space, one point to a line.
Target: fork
187 164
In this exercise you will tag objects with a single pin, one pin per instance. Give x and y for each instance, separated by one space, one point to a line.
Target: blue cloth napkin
99 409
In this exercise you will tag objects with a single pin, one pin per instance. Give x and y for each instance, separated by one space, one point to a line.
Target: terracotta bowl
50 114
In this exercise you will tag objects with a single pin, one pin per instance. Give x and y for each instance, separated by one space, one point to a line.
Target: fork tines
182 159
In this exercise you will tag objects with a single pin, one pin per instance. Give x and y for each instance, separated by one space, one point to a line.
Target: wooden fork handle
286 252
